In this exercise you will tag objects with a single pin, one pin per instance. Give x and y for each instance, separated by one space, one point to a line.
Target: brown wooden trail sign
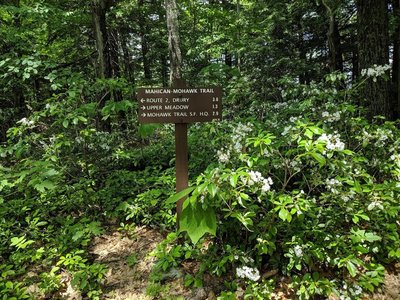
180 105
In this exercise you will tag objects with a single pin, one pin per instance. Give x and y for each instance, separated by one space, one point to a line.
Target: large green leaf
44 185
180 195
197 221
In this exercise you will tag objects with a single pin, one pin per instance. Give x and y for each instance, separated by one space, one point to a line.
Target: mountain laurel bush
311 190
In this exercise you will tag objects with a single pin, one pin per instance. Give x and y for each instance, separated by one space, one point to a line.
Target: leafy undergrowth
129 257
303 200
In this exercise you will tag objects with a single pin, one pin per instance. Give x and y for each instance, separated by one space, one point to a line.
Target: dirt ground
125 282
129 266
391 288
126 279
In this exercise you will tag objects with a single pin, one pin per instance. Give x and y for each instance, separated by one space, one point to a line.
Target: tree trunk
373 42
181 146
228 58
173 40
334 41
104 67
99 9
396 60
128 63
355 72
144 43
114 60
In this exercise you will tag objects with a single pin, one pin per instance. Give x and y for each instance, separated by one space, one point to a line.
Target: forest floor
130 263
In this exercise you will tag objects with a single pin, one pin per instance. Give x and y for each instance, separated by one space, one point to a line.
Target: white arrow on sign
142 100
143 107
143 115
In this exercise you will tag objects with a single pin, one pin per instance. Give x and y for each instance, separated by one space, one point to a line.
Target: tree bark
334 40
373 42
144 44
396 60
355 72
173 40
114 61
181 144
104 67
128 63
99 9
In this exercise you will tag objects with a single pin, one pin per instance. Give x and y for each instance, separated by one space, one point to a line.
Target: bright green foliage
292 193
197 220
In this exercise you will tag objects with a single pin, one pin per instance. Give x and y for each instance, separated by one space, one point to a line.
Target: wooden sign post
180 105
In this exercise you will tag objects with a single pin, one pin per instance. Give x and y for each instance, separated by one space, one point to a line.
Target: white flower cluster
223 157
366 136
375 71
375 204
356 290
239 134
331 117
298 251
383 136
280 105
349 196
79 140
331 185
295 165
396 159
257 178
286 130
332 141
26 122
248 272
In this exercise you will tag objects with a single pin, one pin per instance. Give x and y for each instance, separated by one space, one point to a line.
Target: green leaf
355 219
309 133
78 234
347 152
352 268
20 242
244 196
233 180
357 186
371 237
212 189
17 240
316 130
246 219
283 214
44 185
174 198
197 221
319 157
95 228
